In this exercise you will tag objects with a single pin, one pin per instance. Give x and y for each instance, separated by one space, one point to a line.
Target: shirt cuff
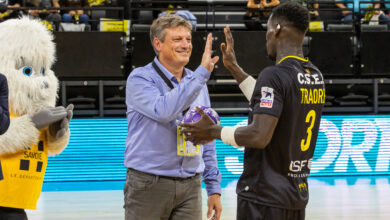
213 189
202 74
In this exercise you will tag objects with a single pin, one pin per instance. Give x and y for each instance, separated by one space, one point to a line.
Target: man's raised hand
207 61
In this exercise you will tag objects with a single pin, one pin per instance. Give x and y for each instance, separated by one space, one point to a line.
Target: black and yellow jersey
21 175
277 175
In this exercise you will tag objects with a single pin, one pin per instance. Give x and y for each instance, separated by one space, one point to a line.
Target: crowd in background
257 11
50 11
348 11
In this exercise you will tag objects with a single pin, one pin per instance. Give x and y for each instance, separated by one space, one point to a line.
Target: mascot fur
37 128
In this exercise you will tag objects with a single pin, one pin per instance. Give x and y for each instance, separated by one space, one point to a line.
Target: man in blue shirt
4 112
160 183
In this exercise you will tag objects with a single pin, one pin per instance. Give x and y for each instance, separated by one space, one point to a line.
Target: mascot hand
59 128
48 116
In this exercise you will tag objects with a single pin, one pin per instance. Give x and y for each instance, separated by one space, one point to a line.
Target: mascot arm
57 145
20 135
59 133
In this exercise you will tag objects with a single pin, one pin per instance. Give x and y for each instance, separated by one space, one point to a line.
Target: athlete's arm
256 135
267 107
259 133
244 80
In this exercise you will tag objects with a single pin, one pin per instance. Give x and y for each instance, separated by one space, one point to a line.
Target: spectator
316 12
182 13
254 18
382 17
9 13
325 11
45 13
78 15
355 8
4 112
268 5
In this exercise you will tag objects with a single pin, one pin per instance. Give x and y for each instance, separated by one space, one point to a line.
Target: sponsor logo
267 97
298 165
300 168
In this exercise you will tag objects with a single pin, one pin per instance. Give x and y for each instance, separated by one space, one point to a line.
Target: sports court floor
331 198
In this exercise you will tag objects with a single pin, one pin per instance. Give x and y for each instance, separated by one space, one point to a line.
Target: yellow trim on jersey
299 58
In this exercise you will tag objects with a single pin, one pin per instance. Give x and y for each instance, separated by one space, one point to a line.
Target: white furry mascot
37 128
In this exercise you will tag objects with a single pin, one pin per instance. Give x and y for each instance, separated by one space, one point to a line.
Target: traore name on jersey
309 95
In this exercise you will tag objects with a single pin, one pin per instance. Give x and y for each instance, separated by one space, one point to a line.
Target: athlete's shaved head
292 12
286 29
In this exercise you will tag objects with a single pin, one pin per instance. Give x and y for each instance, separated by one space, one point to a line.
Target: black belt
179 178
165 177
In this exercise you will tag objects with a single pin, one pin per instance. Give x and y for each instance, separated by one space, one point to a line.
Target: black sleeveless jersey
276 176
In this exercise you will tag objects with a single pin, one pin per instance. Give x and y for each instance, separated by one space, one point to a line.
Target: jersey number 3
310 118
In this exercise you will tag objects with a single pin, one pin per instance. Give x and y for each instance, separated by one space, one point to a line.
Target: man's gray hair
157 30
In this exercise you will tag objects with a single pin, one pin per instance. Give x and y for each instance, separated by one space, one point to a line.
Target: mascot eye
27 70
43 71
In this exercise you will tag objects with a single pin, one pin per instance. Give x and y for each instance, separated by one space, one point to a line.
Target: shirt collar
295 57
168 74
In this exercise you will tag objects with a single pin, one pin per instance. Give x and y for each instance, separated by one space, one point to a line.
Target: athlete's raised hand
207 61
229 57
227 49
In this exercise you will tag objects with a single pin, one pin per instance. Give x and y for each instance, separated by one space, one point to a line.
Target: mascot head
26 57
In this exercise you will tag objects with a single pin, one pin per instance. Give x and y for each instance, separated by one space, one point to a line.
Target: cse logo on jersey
267 97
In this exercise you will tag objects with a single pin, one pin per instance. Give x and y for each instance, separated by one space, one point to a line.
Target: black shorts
252 211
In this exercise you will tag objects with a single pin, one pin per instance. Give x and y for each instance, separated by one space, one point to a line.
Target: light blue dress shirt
153 113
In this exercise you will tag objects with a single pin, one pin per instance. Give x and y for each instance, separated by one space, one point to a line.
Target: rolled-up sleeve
4 112
211 174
